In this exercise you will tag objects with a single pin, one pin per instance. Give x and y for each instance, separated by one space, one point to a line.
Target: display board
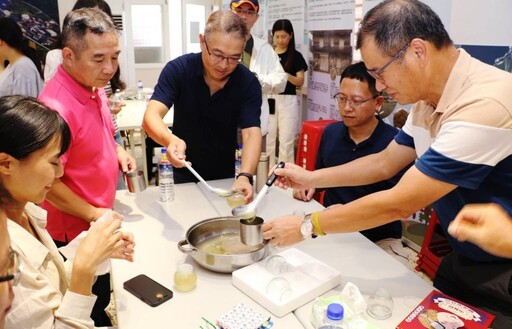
330 26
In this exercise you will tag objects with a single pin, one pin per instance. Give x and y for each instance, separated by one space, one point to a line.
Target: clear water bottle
114 101
165 177
117 95
140 90
333 318
238 160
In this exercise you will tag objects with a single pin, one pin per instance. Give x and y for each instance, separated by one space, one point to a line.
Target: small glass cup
276 264
380 304
279 289
235 200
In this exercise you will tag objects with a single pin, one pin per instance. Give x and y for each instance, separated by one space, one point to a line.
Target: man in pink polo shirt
87 188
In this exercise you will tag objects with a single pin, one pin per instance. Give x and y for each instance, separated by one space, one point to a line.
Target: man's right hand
176 152
293 176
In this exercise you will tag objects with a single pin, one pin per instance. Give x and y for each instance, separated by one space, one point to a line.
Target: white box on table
307 276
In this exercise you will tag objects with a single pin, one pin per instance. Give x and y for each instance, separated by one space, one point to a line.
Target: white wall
472 22
486 23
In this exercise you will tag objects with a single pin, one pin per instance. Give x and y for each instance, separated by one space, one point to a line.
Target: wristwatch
246 174
306 228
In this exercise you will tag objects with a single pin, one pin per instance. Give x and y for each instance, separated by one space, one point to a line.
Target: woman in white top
50 293
23 75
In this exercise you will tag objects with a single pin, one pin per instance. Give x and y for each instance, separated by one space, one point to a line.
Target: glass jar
185 278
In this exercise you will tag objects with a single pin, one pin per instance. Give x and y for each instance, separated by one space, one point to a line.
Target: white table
358 259
130 119
158 227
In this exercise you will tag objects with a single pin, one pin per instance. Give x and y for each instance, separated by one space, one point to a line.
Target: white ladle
219 191
249 210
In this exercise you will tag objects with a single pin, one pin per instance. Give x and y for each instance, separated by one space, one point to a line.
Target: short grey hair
226 21
78 22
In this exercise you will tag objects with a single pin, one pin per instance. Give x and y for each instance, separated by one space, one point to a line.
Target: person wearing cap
260 58
212 95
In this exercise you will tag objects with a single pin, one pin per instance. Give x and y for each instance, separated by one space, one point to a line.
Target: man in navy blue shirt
212 94
360 133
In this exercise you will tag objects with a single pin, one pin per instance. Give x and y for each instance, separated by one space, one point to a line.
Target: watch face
306 228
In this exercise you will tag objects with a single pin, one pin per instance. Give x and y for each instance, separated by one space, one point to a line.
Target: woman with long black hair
50 293
284 124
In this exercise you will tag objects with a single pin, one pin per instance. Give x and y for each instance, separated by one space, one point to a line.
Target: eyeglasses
14 269
342 101
240 11
233 60
377 74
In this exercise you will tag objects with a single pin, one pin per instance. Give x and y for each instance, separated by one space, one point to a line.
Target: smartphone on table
148 290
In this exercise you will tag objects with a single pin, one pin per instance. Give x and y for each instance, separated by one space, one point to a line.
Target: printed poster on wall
38 19
330 26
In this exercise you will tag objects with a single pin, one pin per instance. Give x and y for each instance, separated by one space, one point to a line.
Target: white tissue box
308 278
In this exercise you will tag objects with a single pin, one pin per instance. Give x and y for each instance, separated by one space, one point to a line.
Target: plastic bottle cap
163 150
335 311
185 268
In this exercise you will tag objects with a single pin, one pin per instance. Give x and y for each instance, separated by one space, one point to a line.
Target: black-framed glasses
216 58
240 11
353 103
14 269
377 74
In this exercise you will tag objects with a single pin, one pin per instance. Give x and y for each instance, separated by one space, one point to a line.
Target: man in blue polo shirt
460 132
360 133
212 94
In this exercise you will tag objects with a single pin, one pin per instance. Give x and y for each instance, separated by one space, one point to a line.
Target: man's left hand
126 161
243 185
283 231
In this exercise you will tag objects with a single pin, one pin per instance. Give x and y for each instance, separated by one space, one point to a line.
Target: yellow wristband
316 224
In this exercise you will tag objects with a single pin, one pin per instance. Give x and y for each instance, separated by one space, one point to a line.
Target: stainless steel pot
209 229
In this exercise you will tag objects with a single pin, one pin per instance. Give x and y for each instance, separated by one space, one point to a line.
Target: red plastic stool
307 150
309 140
434 247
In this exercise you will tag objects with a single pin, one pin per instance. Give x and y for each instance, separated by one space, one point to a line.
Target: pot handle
186 248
